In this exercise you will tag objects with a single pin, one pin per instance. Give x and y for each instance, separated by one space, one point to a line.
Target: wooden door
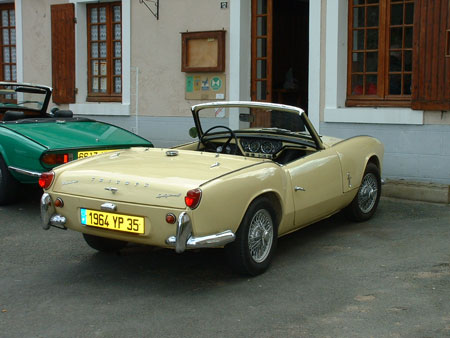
262 18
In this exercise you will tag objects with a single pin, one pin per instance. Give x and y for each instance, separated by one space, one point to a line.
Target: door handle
297 188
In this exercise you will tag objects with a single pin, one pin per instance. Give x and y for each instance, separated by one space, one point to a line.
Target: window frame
110 95
382 98
8 7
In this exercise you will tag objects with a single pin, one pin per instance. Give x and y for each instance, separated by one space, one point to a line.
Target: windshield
22 97
244 118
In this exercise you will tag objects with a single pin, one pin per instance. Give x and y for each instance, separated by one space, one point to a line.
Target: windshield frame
18 87
258 105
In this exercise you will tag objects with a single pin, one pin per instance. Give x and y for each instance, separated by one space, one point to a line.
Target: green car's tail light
193 197
52 159
46 179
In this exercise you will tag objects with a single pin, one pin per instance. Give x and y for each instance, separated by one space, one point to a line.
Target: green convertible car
33 140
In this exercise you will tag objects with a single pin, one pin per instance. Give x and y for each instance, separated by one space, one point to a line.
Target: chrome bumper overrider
184 239
48 216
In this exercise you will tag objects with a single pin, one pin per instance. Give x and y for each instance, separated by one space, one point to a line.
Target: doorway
280 49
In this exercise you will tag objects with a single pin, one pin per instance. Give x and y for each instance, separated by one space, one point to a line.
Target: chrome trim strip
25 172
58 221
47 210
184 239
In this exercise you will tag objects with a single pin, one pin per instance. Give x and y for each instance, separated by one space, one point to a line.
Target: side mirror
193 132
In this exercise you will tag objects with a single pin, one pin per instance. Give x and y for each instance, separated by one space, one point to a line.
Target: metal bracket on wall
155 4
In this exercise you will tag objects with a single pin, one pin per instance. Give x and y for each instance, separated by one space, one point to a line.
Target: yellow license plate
112 221
83 154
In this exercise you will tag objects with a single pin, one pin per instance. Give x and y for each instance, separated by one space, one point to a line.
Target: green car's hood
76 134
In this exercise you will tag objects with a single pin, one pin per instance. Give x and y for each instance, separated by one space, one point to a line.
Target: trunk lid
66 134
145 175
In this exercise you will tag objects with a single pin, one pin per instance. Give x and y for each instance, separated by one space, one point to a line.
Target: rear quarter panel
21 152
226 199
354 154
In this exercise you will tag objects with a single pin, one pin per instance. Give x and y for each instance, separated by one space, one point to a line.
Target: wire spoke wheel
368 192
260 235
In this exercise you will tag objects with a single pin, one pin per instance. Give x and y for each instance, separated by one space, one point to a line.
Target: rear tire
256 239
366 200
9 186
104 244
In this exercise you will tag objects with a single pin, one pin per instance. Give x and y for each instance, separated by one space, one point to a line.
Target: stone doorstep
417 191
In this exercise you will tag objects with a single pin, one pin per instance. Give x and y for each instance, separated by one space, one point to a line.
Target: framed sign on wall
203 51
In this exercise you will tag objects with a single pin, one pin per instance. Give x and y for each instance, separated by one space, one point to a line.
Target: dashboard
260 147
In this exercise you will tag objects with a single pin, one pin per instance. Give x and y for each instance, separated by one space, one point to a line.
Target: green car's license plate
112 221
83 154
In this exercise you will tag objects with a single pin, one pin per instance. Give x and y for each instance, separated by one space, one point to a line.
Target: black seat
13 115
63 113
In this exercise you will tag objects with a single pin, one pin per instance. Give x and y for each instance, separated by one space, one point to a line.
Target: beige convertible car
257 171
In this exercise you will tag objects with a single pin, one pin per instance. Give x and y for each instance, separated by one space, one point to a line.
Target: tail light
46 179
56 159
193 198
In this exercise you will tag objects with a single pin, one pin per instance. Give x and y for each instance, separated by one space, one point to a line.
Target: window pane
94 50
6 36
117 67
14 72
261 48
358 2
409 15
372 62
371 85
102 14
94 33
395 62
13 36
103 70
116 13
357 84
261 92
261 26
95 67
372 16
117 32
407 84
395 84
117 49
397 14
372 39
117 85
408 61
5 19
6 58
103 84
7 72
358 62
358 17
95 84
408 37
12 18
372 1
94 15
103 51
13 54
261 66
103 32
358 39
262 7
396 37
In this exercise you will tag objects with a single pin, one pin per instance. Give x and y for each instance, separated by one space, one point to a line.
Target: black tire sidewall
238 252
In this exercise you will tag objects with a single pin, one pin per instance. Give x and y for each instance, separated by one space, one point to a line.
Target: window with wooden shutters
104 27
380 44
431 66
8 70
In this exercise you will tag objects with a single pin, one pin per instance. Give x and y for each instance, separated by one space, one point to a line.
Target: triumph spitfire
257 171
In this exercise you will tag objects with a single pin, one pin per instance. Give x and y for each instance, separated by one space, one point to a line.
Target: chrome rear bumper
48 216
184 239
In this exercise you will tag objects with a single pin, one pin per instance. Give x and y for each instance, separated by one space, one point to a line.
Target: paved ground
389 277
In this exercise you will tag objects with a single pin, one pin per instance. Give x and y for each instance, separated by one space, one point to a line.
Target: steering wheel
224 146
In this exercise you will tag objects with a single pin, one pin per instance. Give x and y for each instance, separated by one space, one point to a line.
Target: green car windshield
23 97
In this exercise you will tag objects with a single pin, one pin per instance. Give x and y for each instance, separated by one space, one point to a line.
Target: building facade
374 67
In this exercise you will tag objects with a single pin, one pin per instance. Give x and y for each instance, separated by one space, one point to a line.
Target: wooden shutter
431 57
63 53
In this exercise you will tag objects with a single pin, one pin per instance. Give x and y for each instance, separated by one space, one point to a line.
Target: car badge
167 195
171 153
69 182
112 189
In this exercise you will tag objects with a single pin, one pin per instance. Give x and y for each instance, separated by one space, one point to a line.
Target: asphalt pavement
387 277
